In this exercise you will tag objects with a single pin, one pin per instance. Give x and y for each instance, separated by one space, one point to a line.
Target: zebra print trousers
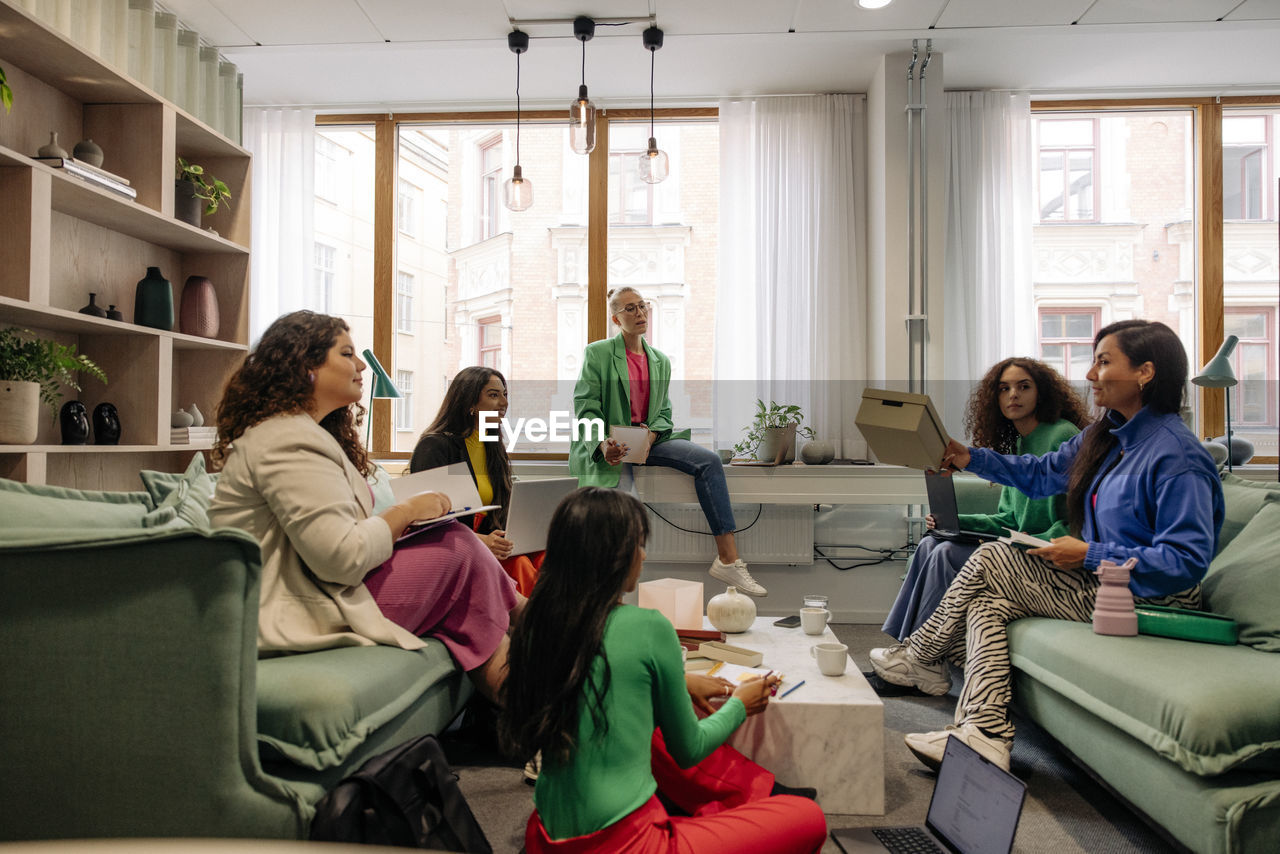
997 585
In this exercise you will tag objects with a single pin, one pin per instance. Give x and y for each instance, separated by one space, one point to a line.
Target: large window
514 289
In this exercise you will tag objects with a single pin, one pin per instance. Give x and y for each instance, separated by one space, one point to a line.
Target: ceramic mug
831 657
814 620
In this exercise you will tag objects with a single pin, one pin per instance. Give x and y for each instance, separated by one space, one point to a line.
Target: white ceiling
426 54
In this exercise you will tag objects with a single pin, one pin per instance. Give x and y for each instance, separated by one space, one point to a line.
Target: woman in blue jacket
625 381
1138 483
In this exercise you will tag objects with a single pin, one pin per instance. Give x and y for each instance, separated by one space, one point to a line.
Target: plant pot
187 206
19 412
773 438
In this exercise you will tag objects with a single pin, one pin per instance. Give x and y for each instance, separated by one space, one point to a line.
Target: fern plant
27 358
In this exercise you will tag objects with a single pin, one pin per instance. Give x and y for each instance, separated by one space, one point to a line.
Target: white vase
731 612
19 412
197 417
817 453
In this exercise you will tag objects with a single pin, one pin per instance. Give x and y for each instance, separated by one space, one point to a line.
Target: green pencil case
1185 625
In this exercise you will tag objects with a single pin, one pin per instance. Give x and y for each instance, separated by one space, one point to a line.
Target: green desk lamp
1219 374
382 387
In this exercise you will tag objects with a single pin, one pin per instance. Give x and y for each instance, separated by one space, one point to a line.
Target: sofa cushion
24 506
1206 707
1244 581
1243 498
316 708
181 497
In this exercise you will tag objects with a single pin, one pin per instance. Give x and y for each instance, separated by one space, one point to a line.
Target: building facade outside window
322 277
1245 168
491 179
630 199
407 208
404 302
490 343
1253 399
404 406
1066 340
1068 157
328 168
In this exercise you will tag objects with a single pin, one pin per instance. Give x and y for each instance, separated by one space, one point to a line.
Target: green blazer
604 391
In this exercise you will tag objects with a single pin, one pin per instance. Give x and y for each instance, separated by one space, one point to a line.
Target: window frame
483 326
1095 170
404 302
1095 312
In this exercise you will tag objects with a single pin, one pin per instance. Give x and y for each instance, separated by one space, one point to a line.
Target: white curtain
987 281
283 147
791 301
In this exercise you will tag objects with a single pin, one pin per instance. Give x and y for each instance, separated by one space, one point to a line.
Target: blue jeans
708 479
933 567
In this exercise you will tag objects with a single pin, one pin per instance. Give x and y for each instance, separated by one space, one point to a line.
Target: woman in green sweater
1021 406
589 682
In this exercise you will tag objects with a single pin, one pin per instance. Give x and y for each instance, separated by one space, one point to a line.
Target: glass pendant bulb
582 123
517 191
653 164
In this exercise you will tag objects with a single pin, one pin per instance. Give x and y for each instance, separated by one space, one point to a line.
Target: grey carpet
1066 812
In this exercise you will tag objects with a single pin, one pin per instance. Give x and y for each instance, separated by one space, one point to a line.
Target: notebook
453 480
974 810
946 515
529 512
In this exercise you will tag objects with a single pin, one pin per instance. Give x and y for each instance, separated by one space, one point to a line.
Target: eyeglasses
633 307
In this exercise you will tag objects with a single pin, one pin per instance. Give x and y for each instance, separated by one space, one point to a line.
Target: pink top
638 372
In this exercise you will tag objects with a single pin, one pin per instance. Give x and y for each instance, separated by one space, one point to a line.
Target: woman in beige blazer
294 475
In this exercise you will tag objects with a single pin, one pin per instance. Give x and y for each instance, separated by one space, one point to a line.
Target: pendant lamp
582 113
517 191
653 164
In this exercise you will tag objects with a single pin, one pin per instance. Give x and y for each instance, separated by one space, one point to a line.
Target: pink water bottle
1113 612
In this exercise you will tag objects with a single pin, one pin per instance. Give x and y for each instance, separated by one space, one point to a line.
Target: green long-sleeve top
609 775
1041 517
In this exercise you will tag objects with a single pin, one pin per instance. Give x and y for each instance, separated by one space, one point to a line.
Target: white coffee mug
831 657
814 620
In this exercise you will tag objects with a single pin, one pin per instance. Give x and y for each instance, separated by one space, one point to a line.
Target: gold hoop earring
1140 386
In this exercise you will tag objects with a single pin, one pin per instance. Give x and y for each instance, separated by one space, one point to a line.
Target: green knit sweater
1042 517
609 775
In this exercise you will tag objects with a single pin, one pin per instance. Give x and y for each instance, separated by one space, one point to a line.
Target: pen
792 688
715 667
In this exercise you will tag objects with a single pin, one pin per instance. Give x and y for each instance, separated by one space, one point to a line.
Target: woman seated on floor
333 574
1021 406
454 437
591 683
1139 484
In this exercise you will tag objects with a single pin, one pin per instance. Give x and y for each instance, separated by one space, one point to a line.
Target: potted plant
32 370
196 192
772 425
6 94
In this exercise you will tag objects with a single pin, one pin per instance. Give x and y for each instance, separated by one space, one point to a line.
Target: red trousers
731 812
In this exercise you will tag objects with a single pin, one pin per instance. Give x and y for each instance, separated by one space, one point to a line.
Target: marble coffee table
828 733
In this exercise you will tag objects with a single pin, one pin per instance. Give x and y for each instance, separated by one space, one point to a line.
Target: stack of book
192 435
100 178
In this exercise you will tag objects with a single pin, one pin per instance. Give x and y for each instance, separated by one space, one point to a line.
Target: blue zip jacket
1159 498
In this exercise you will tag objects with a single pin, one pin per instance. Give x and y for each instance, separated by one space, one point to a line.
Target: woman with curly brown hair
294 475
1021 406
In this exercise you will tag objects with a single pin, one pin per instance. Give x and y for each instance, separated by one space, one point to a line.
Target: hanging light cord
517 109
651 58
584 62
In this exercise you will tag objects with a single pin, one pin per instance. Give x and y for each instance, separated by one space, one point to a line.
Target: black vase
93 308
74 421
106 424
114 313
153 301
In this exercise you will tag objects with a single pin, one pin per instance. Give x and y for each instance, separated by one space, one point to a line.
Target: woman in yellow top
454 437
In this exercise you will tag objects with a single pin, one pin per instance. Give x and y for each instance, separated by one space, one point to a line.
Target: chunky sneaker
736 575
929 746
898 665
532 767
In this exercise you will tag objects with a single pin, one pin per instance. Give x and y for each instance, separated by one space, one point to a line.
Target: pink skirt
445 584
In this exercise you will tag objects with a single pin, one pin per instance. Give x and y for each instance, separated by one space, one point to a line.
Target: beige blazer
287 482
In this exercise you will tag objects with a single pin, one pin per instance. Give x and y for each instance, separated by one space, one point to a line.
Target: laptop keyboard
906 840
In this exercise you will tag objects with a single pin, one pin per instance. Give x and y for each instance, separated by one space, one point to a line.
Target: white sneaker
736 575
532 767
898 665
929 746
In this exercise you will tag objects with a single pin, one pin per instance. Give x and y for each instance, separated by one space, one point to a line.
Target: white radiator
783 534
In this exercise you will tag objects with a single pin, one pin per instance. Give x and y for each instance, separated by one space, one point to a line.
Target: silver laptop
529 512
974 810
945 510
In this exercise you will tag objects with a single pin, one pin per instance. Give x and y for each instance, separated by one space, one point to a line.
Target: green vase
153 301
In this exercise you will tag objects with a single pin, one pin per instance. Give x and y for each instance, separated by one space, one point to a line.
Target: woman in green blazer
625 381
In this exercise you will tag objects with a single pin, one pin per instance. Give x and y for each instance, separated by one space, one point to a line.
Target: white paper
635 438
1018 538
453 480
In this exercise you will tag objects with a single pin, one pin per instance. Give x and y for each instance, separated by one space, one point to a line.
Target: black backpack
405 797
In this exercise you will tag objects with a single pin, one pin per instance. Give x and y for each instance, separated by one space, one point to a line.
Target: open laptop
974 810
946 514
529 512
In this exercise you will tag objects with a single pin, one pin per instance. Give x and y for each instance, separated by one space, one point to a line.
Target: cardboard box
902 429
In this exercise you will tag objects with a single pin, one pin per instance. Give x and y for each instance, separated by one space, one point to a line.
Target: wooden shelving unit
64 238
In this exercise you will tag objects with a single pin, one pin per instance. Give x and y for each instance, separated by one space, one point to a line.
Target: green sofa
1187 733
132 698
